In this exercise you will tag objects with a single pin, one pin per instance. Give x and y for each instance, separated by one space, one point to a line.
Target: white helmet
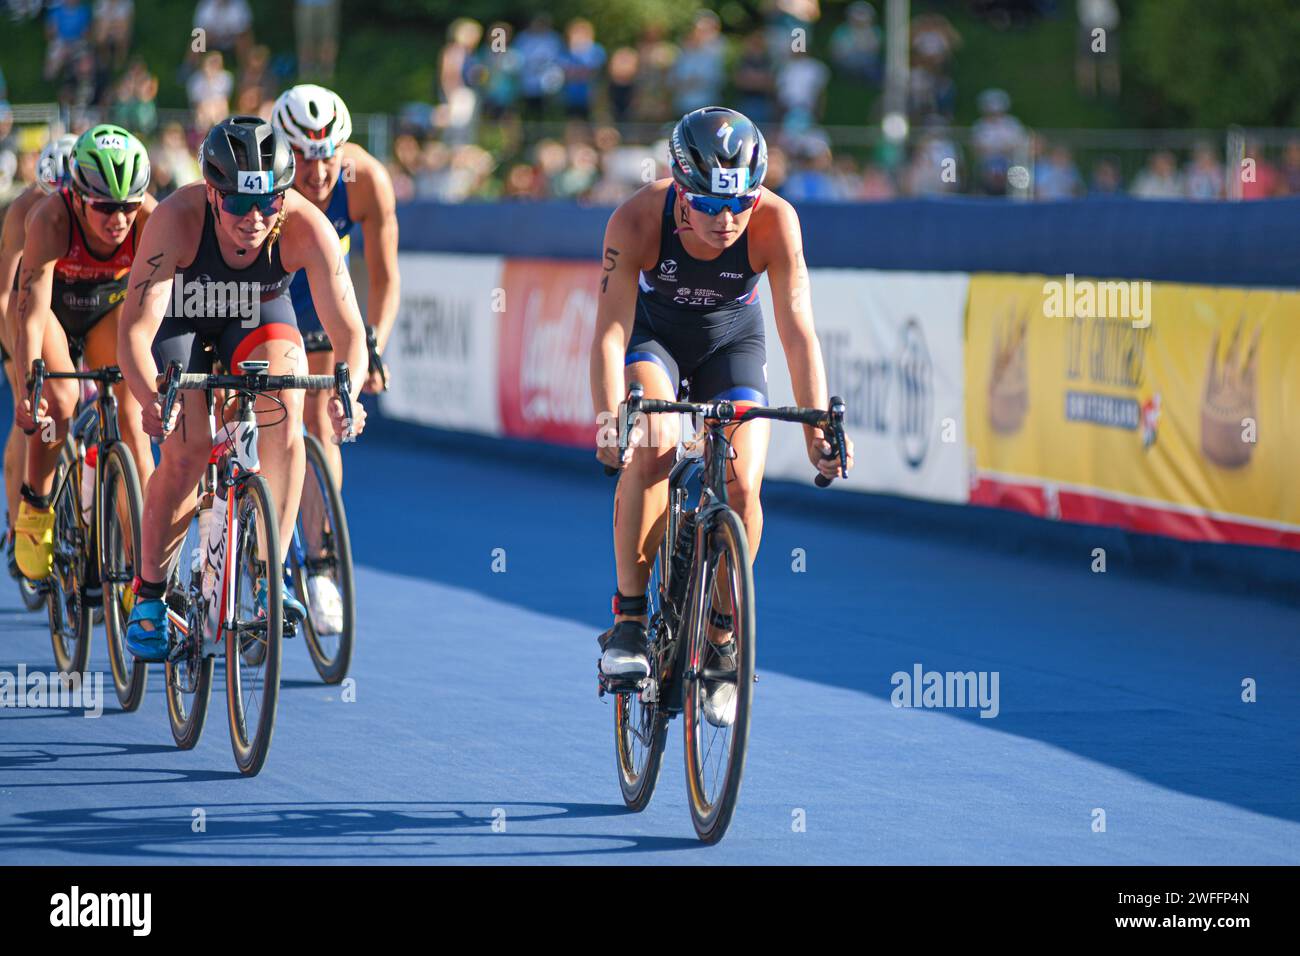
53 164
313 119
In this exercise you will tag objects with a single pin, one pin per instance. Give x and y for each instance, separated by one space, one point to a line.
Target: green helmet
109 163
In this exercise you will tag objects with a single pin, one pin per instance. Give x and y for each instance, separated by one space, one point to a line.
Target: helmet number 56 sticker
732 182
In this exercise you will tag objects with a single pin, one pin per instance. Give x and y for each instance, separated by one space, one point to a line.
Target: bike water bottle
88 483
201 542
215 556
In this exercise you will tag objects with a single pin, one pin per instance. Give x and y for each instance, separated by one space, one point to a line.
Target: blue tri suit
299 289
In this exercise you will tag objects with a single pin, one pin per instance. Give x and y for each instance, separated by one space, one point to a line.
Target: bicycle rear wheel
119 542
188 672
68 612
326 551
253 643
715 752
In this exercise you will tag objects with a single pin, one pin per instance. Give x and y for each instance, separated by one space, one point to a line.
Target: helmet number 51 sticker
732 182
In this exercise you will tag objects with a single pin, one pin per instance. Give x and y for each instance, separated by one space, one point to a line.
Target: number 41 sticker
254 181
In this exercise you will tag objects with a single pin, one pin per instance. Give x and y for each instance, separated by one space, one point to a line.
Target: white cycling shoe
720 695
325 604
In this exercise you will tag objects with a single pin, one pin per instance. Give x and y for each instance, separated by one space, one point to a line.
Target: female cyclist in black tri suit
245 227
679 306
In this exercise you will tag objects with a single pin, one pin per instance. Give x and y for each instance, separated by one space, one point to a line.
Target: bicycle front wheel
640 725
253 642
188 672
326 556
717 699
119 542
69 614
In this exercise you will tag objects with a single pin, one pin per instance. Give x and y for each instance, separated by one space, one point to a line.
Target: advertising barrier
546 330
1161 408
892 347
442 355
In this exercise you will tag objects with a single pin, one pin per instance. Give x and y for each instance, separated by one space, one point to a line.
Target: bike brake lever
343 387
628 410
835 424
36 383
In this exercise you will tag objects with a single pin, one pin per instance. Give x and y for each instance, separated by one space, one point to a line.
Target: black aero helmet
707 143
246 154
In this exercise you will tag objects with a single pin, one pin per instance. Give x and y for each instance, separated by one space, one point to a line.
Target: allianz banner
442 355
892 347
1157 407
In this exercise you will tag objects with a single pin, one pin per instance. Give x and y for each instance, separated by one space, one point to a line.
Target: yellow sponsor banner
1146 393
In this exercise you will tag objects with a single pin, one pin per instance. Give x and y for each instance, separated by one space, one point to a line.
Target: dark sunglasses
713 205
112 208
241 204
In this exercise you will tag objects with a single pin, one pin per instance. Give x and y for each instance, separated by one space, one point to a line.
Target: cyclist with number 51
244 226
679 304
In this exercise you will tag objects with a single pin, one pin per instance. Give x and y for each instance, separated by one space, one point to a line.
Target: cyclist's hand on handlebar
151 419
23 417
607 455
820 448
607 452
340 423
376 381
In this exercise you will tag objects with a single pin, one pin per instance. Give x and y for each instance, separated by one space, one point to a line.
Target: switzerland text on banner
1188 427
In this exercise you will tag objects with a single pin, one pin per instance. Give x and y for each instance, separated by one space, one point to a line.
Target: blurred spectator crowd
544 112
94 77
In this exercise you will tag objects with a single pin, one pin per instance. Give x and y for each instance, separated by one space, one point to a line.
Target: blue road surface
476 735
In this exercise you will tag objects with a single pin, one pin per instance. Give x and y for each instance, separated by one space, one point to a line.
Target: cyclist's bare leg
61 395
641 501
170 493
101 350
279 446
15 448
316 417
744 481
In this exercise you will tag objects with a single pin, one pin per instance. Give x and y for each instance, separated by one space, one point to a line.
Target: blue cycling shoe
294 612
148 643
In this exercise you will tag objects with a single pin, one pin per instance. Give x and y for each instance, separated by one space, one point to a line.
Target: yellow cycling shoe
127 601
34 541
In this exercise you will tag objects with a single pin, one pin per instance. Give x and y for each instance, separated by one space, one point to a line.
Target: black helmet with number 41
246 154
717 151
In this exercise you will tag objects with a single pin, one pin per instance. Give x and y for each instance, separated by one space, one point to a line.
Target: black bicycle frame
106 410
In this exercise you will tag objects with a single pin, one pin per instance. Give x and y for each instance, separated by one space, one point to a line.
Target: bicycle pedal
93 597
620 685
